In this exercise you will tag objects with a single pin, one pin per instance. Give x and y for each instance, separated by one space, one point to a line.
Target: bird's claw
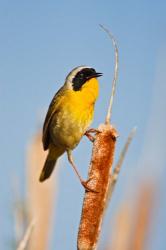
89 131
93 130
88 189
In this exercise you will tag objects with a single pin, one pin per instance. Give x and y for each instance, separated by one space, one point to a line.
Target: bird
68 118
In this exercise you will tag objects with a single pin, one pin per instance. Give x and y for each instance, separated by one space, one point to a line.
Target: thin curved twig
114 82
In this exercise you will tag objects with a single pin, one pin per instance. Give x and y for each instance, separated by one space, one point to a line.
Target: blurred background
40 43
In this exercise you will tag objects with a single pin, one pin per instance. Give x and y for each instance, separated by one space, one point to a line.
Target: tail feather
47 169
53 155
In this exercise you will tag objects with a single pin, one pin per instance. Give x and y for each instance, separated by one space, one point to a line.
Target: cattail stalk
94 203
99 174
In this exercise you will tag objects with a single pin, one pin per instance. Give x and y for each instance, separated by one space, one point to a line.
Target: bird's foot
89 131
88 189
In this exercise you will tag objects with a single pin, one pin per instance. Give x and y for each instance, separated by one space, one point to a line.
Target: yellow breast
75 114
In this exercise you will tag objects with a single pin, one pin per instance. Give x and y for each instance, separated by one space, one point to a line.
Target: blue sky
40 43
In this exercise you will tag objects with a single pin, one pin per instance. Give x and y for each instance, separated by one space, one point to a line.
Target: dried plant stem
109 112
94 203
24 242
117 168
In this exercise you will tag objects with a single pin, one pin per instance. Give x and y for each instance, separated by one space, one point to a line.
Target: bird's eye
81 75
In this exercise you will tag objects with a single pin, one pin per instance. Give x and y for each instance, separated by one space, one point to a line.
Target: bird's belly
67 128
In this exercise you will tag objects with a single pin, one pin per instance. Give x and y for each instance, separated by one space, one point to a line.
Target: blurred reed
40 196
142 216
121 228
132 220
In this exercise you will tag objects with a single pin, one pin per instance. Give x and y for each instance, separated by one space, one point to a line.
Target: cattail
99 174
99 177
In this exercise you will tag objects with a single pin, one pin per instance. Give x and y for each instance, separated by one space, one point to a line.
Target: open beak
95 75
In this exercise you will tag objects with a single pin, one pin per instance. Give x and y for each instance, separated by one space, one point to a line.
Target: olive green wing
52 110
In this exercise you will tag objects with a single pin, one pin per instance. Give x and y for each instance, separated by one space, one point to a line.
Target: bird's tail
53 155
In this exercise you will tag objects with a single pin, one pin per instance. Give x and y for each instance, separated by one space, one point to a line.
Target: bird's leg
84 183
88 133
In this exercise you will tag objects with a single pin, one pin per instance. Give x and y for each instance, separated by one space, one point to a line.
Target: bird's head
79 76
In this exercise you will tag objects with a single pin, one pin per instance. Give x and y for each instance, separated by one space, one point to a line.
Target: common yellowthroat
69 115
